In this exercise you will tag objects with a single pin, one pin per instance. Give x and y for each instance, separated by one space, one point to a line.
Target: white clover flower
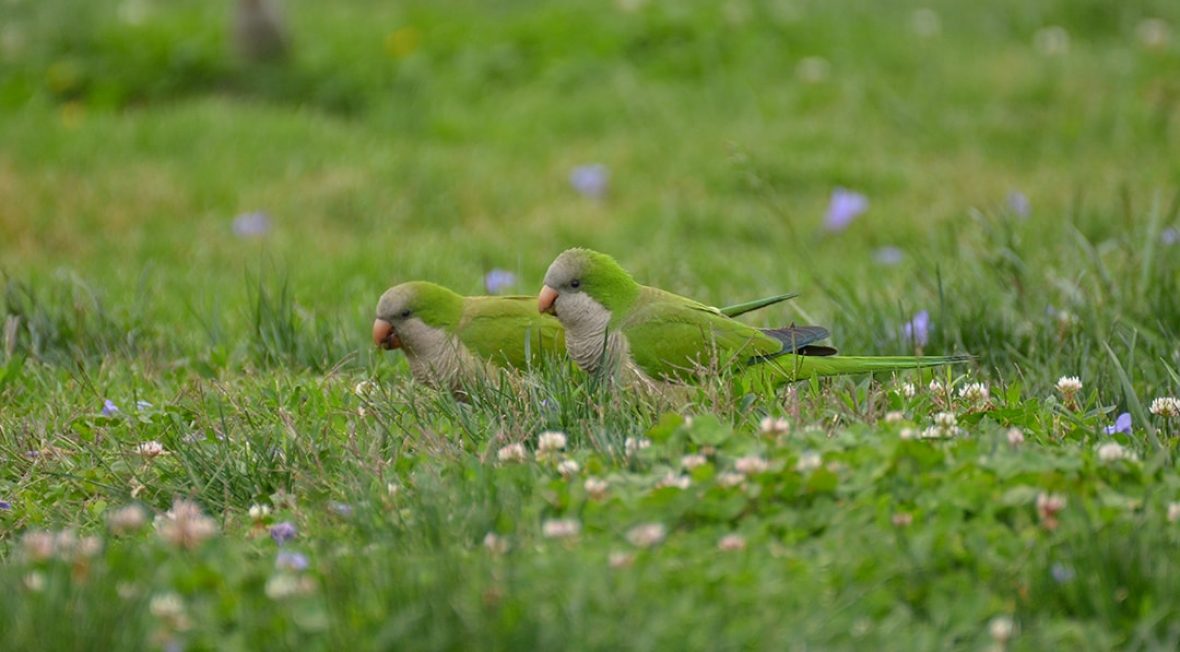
1069 385
150 449
1048 507
561 528
932 432
975 393
185 526
750 465
1015 436
690 462
730 479
937 387
732 542
808 461
166 606
512 453
495 544
34 582
596 488
126 520
38 545
907 433
1001 629
1166 406
1173 512
1052 40
259 512
364 388
772 426
634 444
568 468
1154 33
946 420
286 585
675 481
646 535
908 390
894 416
1113 452
550 441
618 559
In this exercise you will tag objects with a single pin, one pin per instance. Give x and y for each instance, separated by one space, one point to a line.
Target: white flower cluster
1166 406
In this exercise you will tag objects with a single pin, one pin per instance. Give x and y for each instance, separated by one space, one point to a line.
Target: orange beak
546 299
384 336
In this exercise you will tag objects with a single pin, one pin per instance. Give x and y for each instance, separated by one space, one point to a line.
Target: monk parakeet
620 329
451 340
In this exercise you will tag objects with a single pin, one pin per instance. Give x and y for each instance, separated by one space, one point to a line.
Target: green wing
670 336
509 331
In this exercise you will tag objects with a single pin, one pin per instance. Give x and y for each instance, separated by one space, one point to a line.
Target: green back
671 335
509 331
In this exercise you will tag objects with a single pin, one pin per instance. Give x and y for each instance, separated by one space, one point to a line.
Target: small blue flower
844 206
5 505
917 330
1018 203
498 280
109 409
889 255
289 560
1061 573
343 510
590 180
1170 236
283 532
252 225
1121 424
143 406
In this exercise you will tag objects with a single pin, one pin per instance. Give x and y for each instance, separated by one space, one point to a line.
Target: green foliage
433 140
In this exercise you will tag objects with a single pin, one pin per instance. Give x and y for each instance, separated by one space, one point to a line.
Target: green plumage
508 330
672 337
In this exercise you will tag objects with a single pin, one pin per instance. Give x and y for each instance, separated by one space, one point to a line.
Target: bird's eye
405 313
575 283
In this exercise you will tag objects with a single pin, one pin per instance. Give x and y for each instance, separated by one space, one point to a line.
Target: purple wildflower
1018 203
590 180
283 532
844 206
5 505
917 330
109 409
251 225
1170 236
289 560
1061 573
1121 424
889 255
498 280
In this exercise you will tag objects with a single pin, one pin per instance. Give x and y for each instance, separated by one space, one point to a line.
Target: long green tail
790 368
757 304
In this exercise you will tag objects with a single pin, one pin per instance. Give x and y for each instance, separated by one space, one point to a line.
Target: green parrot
620 329
451 340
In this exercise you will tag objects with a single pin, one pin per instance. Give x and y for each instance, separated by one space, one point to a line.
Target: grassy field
167 357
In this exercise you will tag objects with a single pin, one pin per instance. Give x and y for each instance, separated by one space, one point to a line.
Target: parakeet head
581 281
406 310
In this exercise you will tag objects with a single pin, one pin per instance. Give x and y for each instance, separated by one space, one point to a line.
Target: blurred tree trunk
260 33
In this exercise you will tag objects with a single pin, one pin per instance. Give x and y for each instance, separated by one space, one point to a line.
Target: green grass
434 140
